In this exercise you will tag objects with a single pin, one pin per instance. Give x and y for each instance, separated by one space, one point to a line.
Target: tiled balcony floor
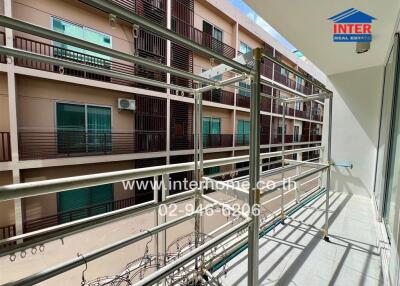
295 254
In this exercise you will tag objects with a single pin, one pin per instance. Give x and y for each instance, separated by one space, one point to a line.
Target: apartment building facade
57 122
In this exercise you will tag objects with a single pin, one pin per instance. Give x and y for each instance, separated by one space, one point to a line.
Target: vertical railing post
328 172
283 161
254 191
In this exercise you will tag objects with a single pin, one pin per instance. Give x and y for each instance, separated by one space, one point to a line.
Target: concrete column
12 107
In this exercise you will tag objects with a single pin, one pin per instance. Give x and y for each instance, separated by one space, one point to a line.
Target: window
299 83
82 33
215 33
245 89
284 72
280 127
244 48
79 203
211 130
297 105
243 132
83 128
211 170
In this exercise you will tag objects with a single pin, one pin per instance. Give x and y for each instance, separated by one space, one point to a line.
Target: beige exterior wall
225 115
37 97
249 39
41 13
206 12
4 110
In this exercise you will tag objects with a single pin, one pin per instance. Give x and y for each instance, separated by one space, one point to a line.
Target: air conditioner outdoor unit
127 104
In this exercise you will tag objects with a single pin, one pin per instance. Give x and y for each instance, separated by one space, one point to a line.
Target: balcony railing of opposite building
217 140
5 147
7 231
219 96
3 58
82 58
185 142
202 38
45 145
277 138
63 217
153 10
243 101
291 83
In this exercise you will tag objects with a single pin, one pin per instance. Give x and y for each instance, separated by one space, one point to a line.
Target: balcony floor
295 254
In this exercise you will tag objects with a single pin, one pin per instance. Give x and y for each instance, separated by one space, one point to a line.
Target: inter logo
352 25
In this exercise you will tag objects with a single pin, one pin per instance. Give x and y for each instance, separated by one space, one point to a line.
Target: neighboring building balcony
5 147
217 140
206 40
307 90
219 96
3 58
153 10
79 213
46 145
277 138
243 101
265 104
7 231
186 142
82 58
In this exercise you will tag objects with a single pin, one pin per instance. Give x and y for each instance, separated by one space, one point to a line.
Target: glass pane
206 125
72 205
216 126
101 198
99 39
207 28
244 48
70 30
70 128
387 101
217 34
99 129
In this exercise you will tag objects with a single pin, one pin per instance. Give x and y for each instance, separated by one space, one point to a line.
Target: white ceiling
305 24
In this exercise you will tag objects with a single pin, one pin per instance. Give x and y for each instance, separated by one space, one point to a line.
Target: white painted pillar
12 107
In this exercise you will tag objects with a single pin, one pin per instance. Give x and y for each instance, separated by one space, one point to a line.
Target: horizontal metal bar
279 86
29 28
309 98
306 163
57 61
285 66
225 205
227 189
62 230
15 191
129 16
169 268
73 263
222 83
294 179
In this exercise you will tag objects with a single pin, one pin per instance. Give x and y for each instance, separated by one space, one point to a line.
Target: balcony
217 140
7 231
153 10
243 101
79 213
78 57
206 40
5 147
46 145
219 96
277 138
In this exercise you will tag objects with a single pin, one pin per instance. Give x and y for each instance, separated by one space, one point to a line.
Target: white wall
356 112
